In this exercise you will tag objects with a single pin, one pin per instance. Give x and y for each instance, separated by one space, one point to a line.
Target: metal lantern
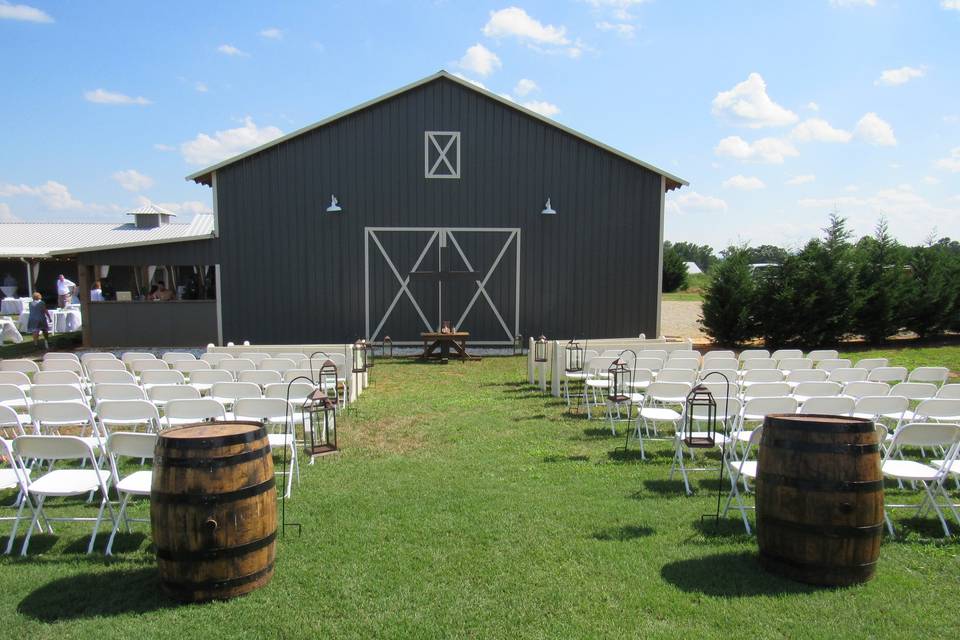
540 350
360 356
619 381
518 345
574 354
328 382
700 398
368 346
319 415
387 350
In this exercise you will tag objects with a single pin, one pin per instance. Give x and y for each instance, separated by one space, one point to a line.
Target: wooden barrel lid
820 423
205 434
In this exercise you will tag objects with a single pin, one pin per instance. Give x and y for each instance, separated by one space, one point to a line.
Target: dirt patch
681 319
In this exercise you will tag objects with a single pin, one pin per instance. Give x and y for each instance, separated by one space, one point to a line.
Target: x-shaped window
441 154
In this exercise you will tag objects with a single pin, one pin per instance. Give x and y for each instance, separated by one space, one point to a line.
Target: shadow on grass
729 575
666 486
93 594
598 432
620 534
124 543
539 416
562 458
39 543
729 529
624 456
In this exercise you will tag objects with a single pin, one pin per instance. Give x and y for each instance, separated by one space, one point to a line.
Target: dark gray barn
439 201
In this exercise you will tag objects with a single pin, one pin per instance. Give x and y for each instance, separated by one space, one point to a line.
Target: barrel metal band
811 426
825 530
811 565
215 554
189 587
817 447
212 442
808 484
206 499
212 463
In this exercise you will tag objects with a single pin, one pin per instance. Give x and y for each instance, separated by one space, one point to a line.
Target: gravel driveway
680 319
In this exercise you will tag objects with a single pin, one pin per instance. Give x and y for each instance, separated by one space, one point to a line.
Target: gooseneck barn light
334 205
548 210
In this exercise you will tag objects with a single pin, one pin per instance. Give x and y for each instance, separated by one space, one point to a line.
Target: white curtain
36 272
150 271
104 270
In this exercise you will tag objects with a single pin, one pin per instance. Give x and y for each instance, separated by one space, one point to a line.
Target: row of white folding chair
275 413
816 355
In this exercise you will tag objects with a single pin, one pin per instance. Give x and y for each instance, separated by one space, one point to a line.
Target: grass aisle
466 504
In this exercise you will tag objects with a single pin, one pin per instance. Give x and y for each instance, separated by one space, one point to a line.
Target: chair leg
16 524
33 523
121 516
886 516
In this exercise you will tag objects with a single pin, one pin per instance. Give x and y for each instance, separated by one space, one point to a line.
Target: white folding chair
843 376
861 389
830 406
766 390
131 356
11 424
914 392
50 417
13 476
58 377
823 354
756 410
40 393
203 381
60 355
727 414
112 377
181 412
137 367
254 357
806 375
596 383
262 378
277 364
663 403
274 412
755 376
103 392
949 392
938 410
719 353
934 375
758 363
235 365
931 477
753 354
187 367
833 363
128 414
794 364
871 363
785 354
132 445
742 470
92 356
805 390
94 366
173 357
72 366
62 482
29 367
688 376
227 393
661 354
296 357
154 377
719 388
13 398
161 394
691 363
887 374
298 391
719 375
17 379
878 408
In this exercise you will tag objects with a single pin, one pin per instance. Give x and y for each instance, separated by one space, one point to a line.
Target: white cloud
201 87
476 83
853 3
931 180
691 202
874 130
893 77
480 60
164 147
749 105
230 50
952 118
953 5
802 179
744 183
22 12
813 106
622 29
206 149
52 194
102 96
515 22
525 86
133 180
272 33
819 130
6 215
950 163
187 207
542 107
764 150
851 188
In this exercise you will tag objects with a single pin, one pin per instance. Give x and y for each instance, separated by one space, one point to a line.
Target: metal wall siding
291 272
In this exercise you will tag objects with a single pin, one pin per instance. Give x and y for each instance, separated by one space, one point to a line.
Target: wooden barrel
819 498
213 510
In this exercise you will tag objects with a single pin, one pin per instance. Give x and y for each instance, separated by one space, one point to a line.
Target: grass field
693 292
467 504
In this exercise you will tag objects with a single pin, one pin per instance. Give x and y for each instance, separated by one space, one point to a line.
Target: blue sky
774 111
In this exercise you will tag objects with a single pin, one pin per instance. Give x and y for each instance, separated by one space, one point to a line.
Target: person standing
96 294
37 320
65 289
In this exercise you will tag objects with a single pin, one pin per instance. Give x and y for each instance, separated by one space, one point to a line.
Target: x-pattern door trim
481 285
430 138
403 282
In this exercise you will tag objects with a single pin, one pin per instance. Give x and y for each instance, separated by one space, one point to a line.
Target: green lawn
694 291
27 349
466 503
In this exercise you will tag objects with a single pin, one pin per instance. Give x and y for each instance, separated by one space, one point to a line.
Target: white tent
692 268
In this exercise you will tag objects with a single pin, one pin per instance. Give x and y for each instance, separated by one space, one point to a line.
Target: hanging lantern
328 382
540 350
518 345
619 381
368 346
574 353
319 416
700 405
387 347
359 356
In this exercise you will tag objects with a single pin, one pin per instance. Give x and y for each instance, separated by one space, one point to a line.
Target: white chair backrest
871 363
849 375
10 423
261 378
102 392
726 408
754 354
56 393
278 364
53 448
290 374
28 367
718 388
807 375
652 353
784 354
254 357
60 356
644 376
189 366
339 361
833 363
170 392
887 374
687 376
610 353
57 413
915 390
198 409
683 360
235 390
139 366
936 375
643 362
12 394
861 388
836 406
131 445
216 357
63 365
235 365
210 376
132 356
823 354
818 389
263 409
599 365
721 363
938 409
950 391
794 364
881 405
134 410
761 375
171 357
924 434
162 376
759 363
298 391
56 377
296 357
765 406
710 355
112 377
717 375
91 356
668 391
767 390
14 377
104 365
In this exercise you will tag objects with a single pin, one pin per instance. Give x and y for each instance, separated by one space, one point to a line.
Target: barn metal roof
205 176
150 209
48 239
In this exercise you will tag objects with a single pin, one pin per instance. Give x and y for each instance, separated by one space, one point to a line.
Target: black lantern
518 345
619 381
574 354
700 398
360 356
328 382
540 349
319 414
368 346
387 348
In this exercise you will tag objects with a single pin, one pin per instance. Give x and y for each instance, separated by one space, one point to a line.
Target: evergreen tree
728 300
932 297
674 270
881 285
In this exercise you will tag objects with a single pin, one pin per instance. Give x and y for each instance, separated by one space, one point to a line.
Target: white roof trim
126 245
441 74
